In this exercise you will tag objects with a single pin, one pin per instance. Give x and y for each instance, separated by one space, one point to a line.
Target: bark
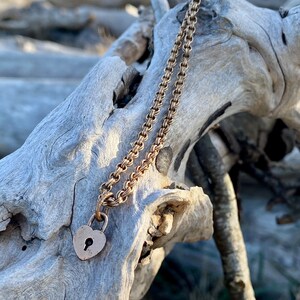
48 188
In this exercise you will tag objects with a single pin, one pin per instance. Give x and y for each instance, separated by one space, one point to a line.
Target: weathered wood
18 43
41 17
240 62
24 103
227 231
166 199
4 5
45 65
34 98
100 3
133 43
273 4
160 8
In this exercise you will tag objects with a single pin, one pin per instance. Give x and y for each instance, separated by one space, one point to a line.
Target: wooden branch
48 188
227 231
160 8
40 17
133 43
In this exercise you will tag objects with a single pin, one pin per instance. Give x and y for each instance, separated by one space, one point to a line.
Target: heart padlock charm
89 242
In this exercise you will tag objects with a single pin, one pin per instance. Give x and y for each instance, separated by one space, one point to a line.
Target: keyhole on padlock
88 243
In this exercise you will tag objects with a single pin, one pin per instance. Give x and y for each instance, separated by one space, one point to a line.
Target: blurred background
46 47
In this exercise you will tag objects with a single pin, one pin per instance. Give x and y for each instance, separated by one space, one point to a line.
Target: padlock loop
104 217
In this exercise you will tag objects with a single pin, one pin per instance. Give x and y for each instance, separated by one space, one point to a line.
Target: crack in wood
213 117
180 155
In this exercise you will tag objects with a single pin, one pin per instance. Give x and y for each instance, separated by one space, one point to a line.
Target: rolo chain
183 41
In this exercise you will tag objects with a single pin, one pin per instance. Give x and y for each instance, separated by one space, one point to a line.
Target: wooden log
48 188
24 103
45 65
99 3
18 43
33 97
40 17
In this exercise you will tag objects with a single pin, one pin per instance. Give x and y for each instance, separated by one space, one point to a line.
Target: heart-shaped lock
89 242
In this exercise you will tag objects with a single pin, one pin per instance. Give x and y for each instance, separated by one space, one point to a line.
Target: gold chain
106 196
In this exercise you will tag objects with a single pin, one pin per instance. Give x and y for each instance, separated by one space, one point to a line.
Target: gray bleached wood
160 8
273 4
24 103
132 44
40 17
100 3
18 43
40 65
74 187
239 62
32 84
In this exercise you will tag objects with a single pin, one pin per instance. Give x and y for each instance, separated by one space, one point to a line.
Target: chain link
185 34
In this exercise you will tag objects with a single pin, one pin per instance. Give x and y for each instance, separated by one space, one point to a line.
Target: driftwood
273 4
227 231
181 204
244 59
4 5
31 65
41 17
31 87
24 102
100 3
36 87
133 43
18 43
